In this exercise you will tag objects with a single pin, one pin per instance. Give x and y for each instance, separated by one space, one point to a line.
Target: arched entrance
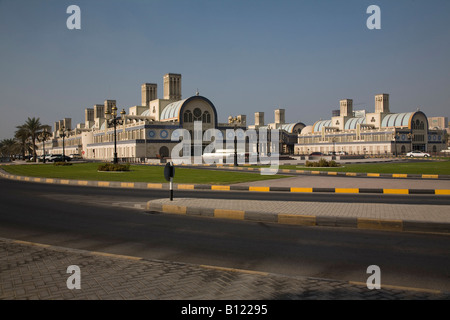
164 152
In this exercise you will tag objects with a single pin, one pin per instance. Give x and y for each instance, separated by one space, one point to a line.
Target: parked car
61 159
418 154
316 154
75 156
53 156
342 153
223 154
58 158
41 158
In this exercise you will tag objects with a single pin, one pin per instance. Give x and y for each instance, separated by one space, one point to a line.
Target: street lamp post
63 136
396 137
235 121
115 120
411 137
43 151
235 147
257 146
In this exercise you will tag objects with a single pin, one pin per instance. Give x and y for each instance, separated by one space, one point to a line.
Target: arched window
187 116
206 117
197 114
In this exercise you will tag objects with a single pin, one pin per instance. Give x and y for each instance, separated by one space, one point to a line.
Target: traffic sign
169 173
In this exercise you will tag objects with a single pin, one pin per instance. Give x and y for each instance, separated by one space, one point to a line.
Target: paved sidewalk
38 272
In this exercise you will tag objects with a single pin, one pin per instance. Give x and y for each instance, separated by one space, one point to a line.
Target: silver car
418 154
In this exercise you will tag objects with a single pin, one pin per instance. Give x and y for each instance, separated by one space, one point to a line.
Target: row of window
349 149
127 135
103 153
71 142
346 138
419 125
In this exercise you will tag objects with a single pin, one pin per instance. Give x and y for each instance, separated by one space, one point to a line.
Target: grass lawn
419 167
138 173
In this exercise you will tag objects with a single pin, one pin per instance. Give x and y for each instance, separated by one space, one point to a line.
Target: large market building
381 132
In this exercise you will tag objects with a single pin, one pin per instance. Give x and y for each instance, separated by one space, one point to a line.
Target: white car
41 158
52 157
223 154
75 156
417 154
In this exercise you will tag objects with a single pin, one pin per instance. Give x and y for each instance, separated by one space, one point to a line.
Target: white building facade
146 131
379 133
150 130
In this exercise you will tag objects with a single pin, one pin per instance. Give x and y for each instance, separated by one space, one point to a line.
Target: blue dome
397 119
289 127
320 124
172 110
352 123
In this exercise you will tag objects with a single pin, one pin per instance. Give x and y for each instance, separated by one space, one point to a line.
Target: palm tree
22 136
43 136
33 128
9 147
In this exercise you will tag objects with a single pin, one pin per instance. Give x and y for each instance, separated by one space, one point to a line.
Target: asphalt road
83 218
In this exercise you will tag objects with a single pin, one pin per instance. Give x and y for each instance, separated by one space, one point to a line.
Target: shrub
333 163
322 163
310 163
114 167
62 163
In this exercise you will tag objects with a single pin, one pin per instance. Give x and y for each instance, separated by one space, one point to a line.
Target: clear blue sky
245 56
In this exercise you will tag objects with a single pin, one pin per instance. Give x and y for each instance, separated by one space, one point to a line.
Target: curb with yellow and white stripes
206 187
248 167
301 220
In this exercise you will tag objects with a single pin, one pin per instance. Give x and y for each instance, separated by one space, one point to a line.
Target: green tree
9 147
33 128
23 140
43 136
